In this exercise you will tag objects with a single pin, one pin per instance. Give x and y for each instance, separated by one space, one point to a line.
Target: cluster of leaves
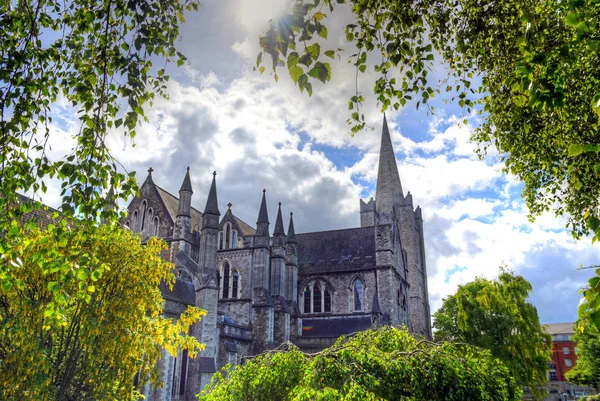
587 370
383 364
96 56
495 315
395 29
81 314
534 66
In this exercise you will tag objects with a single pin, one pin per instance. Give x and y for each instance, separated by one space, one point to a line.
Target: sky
257 133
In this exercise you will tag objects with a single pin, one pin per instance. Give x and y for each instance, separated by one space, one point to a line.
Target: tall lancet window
221 240
150 227
156 227
307 299
219 280
226 273
358 295
144 204
317 296
234 239
327 301
227 236
134 221
235 284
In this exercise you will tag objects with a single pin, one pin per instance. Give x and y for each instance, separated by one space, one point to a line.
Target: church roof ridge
337 230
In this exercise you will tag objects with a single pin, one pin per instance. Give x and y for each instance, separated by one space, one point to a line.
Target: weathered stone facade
261 290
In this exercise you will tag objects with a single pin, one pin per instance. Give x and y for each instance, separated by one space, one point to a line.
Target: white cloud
257 134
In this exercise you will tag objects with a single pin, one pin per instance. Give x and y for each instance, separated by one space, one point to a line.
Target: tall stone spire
212 206
291 235
279 223
262 223
185 196
389 188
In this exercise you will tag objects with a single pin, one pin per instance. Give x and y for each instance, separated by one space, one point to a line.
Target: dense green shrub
383 364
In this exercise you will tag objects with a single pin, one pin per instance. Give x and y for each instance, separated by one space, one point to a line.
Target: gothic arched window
219 280
327 301
134 221
235 284
150 221
358 295
234 239
307 299
226 280
227 236
317 297
144 204
155 226
221 240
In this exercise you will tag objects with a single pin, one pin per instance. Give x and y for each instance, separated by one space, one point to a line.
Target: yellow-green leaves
84 306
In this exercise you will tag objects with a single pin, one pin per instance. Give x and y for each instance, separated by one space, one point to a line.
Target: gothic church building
262 288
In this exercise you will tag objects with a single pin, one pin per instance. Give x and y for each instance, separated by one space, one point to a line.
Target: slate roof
335 327
244 227
182 291
172 204
336 250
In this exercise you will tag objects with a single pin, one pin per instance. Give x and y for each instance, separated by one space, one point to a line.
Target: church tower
401 290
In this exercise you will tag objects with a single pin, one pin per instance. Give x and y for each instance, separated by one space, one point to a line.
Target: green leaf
180 62
82 274
292 59
295 73
571 19
314 50
596 104
575 150
331 54
362 68
595 318
259 59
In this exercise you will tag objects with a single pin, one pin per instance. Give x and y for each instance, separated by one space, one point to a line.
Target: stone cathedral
262 288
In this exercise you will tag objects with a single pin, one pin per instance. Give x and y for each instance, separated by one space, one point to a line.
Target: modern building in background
563 359
262 288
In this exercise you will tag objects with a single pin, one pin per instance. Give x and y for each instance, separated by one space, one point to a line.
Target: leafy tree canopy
587 370
496 315
81 316
107 60
530 68
383 364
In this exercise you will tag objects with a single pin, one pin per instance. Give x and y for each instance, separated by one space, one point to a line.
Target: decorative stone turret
207 295
263 314
262 223
182 240
292 280
278 282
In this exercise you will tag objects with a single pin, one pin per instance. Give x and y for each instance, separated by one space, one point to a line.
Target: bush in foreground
383 364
